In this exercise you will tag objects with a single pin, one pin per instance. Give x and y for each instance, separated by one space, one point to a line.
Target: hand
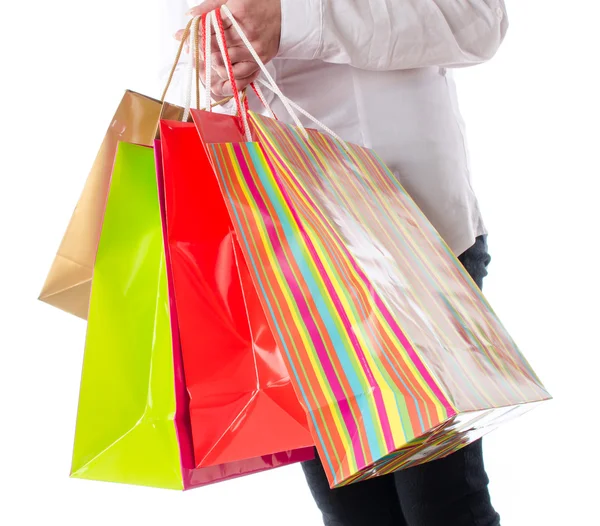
261 22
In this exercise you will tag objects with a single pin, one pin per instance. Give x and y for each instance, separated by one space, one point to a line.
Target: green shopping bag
126 430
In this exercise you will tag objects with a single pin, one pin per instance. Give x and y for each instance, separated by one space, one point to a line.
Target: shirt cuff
301 29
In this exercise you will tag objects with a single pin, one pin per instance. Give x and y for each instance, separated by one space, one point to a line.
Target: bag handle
255 87
241 105
187 32
191 32
202 25
272 85
325 128
184 38
207 21
193 64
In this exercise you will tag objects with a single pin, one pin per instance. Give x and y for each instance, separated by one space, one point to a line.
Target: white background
532 116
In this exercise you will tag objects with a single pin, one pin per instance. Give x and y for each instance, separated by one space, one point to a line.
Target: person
379 74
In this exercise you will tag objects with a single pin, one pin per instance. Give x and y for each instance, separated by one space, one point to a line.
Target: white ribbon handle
273 86
289 105
285 100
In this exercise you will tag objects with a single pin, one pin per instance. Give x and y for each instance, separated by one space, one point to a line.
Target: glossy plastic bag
235 374
394 351
133 423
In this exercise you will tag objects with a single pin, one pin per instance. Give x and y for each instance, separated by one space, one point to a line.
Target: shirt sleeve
393 34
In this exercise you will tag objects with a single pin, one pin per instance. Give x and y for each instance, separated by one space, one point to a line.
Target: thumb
206 7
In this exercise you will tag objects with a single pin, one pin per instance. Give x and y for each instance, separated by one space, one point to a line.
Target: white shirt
376 72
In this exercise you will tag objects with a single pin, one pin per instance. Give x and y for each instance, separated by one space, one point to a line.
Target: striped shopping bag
393 350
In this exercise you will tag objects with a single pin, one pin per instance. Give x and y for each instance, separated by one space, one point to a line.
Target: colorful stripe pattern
385 335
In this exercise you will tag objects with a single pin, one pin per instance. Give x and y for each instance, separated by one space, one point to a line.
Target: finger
227 24
179 36
218 88
244 83
220 72
243 70
240 70
236 54
243 63
232 38
225 89
205 7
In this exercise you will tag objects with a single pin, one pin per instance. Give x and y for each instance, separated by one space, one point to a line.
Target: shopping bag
69 279
392 348
133 423
235 374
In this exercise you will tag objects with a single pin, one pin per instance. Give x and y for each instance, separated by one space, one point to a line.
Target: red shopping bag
203 473
235 375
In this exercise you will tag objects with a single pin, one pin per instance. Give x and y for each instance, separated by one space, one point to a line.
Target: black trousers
449 492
